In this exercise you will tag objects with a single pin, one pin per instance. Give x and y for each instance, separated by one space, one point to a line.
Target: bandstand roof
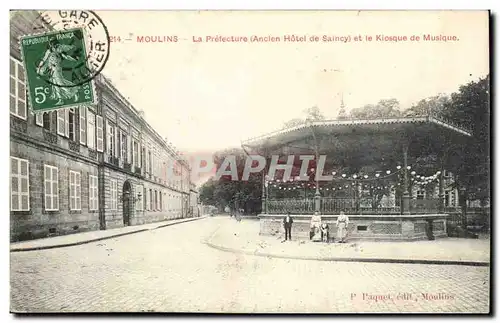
392 131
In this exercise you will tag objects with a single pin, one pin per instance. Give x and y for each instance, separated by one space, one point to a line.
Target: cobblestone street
172 270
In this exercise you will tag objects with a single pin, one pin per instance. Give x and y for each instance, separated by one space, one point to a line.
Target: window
39 118
420 194
164 173
100 134
83 125
160 205
47 120
114 195
90 130
156 200
111 144
151 199
123 148
135 155
139 205
150 163
145 196
72 126
447 198
51 179
93 193
17 89
75 201
19 184
143 157
63 122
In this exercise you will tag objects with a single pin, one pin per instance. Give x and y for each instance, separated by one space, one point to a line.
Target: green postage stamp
57 71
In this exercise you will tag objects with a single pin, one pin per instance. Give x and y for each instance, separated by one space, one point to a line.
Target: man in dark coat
287 223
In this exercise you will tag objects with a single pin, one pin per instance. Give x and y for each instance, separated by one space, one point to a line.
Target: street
172 270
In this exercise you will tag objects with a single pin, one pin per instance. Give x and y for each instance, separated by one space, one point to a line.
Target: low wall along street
365 227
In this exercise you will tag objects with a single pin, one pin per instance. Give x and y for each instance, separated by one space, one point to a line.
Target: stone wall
361 227
37 222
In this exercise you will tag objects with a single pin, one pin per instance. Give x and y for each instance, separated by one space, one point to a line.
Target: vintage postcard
250 161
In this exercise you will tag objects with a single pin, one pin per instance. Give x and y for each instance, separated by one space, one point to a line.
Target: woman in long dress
51 67
315 227
342 223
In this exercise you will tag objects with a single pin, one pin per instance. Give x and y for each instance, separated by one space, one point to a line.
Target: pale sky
208 96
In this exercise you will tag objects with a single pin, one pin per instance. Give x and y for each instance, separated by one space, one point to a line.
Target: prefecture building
89 167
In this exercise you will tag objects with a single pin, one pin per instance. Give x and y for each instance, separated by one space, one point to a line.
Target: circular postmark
80 40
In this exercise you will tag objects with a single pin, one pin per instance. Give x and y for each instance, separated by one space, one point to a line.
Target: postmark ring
96 42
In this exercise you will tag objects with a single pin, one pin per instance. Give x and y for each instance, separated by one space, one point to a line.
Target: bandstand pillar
317 201
406 193
264 191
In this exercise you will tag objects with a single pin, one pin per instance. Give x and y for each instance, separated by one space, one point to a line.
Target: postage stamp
55 64
61 64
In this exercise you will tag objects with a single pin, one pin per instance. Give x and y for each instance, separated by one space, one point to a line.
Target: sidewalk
91 236
243 237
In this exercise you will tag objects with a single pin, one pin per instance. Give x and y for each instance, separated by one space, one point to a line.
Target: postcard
249 162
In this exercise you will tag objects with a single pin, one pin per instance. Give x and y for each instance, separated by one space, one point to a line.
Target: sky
209 96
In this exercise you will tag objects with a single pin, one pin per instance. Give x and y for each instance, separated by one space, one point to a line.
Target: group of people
320 231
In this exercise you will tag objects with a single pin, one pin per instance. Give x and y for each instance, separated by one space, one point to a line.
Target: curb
340 259
101 238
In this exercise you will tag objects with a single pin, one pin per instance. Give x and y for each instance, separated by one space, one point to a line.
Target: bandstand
370 169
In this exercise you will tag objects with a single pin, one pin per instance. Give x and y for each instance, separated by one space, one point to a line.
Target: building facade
88 167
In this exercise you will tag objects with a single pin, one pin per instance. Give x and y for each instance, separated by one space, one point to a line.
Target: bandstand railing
424 206
348 205
328 206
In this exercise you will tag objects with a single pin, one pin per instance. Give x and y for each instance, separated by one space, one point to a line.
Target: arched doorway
127 200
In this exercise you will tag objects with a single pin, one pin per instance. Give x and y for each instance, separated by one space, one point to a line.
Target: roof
422 124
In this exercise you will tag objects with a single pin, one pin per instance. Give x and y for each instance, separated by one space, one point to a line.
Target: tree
310 114
469 161
293 122
383 109
207 192
233 193
432 105
314 114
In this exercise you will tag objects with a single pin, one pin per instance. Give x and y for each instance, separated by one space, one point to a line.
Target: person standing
315 233
342 223
287 223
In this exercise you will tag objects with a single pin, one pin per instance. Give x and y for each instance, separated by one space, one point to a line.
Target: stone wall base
363 227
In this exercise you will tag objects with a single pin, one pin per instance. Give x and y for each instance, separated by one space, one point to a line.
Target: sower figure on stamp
287 223
342 223
51 67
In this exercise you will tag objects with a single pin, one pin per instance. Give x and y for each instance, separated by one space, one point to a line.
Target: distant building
90 167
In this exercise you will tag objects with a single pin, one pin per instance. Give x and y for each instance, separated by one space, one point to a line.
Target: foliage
383 109
310 114
470 160
433 105
233 193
